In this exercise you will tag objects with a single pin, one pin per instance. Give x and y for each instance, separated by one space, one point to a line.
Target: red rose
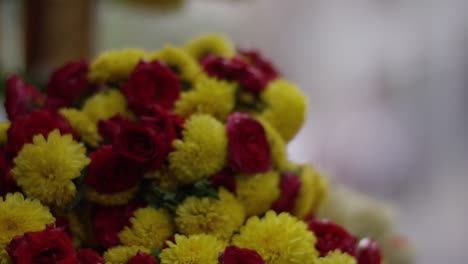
109 221
109 172
331 236
237 70
67 84
368 252
142 258
248 149
258 61
142 144
235 255
21 98
164 121
24 128
151 82
224 179
109 129
289 186
89 256
51 245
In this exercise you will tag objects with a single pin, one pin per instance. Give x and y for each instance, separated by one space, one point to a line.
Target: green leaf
155 252
203 188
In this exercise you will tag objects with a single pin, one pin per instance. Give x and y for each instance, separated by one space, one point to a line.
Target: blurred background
387 82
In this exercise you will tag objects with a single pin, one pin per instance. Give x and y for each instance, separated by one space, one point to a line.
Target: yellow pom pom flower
208 96
115 65
4 126
278 239
285 107
202 151
215 44
336 257
257 192
164 178
314 189
45 169
82 125
150 227
179 60
122 254
119 198
195 249
277 146
219 218
105 104
18 216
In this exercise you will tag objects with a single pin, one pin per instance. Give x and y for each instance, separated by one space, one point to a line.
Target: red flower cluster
289 186
89 256
331 236
51 245
150 83
21 98
258 61
368 252
235 255
142 258
248 148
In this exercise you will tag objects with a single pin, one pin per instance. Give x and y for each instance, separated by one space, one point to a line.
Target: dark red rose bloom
248 149
142 144
7 183
368 252
331 236
142 258
151 82
109 172
24 128
225 179
258 61
168 123
237 70
21 98
89 256
235 255
51 245
109 129
62 223
109 221
67 84
289 186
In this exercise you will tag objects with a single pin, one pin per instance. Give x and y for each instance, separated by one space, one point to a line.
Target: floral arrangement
176 157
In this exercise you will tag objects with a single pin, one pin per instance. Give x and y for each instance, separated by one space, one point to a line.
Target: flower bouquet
175 156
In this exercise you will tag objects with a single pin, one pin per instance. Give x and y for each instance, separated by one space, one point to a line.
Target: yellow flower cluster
4 126
122 254
208 96
179 60
278 239
194 249
219 218
313 191
210 44
201 152
82 125
18 216
337 257
115 66
105 104
46 167
119 198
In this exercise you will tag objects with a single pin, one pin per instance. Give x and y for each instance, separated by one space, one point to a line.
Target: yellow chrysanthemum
150 227
277 146
336 257
219 218
278 239
115 65
208 96
4 126
285 107
18 216
105 104
46 167
122 254
314 189
164 178
82 125
120 198
195 249
257 192
179 60
202 151
215 44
